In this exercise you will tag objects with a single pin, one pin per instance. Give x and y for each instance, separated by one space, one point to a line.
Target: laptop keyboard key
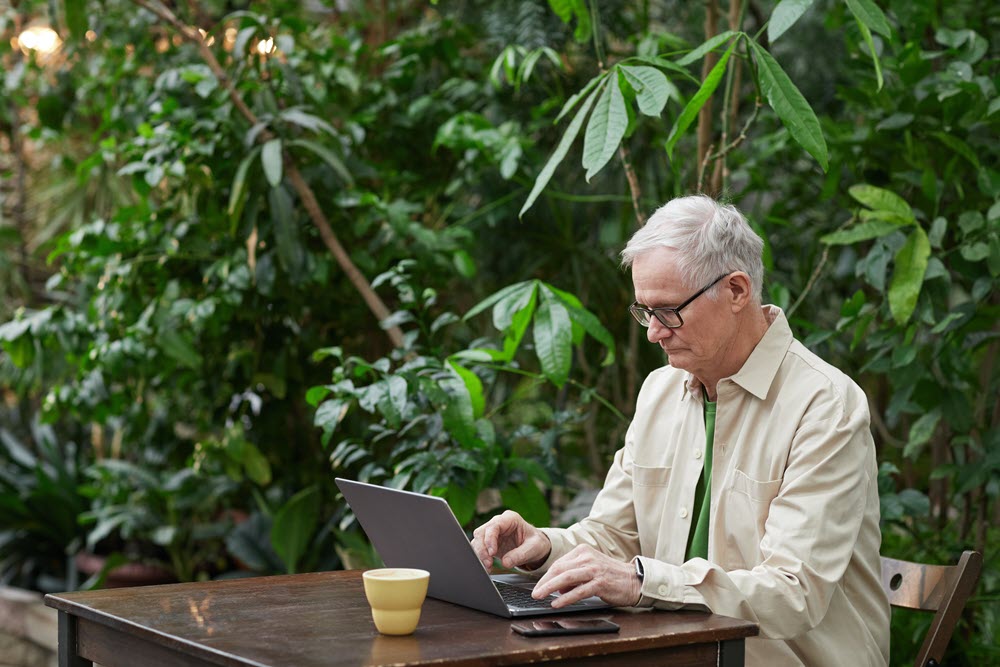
515 596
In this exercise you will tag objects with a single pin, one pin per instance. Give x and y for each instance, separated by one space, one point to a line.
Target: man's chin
676 359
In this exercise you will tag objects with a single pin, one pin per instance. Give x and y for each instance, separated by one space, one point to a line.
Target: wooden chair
943 589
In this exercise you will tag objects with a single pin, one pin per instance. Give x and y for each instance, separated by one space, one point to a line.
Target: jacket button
697 453
684 512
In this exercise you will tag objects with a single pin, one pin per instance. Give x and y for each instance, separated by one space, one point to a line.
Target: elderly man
747 483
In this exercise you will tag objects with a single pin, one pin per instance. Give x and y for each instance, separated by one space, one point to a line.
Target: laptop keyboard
515 596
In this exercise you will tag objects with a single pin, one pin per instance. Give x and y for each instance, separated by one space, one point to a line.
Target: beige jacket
794 533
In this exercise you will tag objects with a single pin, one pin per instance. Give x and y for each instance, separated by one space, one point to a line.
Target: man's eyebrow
646 305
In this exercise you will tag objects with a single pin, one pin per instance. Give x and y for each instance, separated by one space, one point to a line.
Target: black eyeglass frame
637 310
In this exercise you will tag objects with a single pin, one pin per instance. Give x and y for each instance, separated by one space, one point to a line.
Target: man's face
702 342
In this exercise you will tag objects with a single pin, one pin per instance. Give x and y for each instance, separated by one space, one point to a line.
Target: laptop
411 529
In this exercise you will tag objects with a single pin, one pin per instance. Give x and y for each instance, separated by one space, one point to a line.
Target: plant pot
129 574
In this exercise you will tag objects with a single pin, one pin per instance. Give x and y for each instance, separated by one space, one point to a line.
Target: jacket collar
758 371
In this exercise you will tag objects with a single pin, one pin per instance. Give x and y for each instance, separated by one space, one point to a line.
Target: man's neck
750 329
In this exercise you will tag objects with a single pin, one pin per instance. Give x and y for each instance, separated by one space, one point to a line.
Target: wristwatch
639 572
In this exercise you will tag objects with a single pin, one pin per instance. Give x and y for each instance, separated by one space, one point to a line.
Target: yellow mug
396 595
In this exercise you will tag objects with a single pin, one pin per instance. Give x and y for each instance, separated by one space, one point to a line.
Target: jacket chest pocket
649 490
748 502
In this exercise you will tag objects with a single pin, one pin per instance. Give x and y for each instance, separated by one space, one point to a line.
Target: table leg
67 643
731 653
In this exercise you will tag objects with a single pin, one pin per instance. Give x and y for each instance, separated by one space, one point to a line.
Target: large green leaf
462 500
579 95
327 156
512 304
863 231
553 333
473 385
526 499
307 120
270 158
519 325
563 9
458 414
179 348
959 146
663 63
791 107
294 525
249 542
495 297
709 44
256 464
881 200
238 191
583 24
908 275
869 14
291 253
866 35
695 104
566 9
784 16
651 86
587 320
559 153
921 432
606 128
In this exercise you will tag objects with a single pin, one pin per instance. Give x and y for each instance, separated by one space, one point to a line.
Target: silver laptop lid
415 530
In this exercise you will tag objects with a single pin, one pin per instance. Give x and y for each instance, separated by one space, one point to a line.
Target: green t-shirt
698 539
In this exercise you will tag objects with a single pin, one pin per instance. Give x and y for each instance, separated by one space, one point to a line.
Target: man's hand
511 539
584 572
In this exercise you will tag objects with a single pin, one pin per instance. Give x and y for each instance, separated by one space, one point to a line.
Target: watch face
638 569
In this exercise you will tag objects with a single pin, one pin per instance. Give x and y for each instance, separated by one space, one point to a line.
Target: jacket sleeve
809 535
611 526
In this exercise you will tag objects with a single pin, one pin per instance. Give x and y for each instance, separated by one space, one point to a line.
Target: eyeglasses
668 317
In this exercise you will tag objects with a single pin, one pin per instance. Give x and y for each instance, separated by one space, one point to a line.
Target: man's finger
584 590
558 581
490 538
518 556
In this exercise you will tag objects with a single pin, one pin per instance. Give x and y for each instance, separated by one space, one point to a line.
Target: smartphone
563 626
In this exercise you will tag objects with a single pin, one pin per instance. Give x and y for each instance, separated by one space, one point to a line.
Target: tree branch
731 101
705 114
633 183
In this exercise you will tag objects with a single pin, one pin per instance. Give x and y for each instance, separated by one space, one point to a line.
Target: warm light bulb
42 39
265 46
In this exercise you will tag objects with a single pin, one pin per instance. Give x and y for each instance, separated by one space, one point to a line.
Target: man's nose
656 331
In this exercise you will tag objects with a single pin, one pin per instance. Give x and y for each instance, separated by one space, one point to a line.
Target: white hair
710 238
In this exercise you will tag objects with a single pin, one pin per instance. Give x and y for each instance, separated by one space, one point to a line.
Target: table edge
145 633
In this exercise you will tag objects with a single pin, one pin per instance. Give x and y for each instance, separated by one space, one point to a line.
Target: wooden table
323 619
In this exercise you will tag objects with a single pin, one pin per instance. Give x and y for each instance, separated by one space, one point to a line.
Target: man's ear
738 290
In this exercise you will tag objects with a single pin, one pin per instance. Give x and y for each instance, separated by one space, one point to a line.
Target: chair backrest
943 589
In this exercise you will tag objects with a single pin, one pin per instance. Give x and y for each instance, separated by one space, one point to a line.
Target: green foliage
39 502
426 421
294 525
163 287
611 116
148 514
